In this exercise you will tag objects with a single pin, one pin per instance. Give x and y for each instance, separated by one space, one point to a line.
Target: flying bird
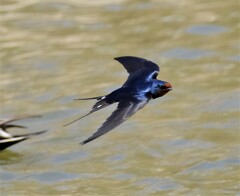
141 86
7 139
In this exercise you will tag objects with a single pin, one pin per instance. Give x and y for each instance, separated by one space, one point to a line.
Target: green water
186 143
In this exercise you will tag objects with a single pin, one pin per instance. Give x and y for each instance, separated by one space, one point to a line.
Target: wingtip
28 135
37 133
41 132
117 58
66 124
121 57
87 140
133 57
84 142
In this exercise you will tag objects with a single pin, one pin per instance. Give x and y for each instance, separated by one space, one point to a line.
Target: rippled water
186 143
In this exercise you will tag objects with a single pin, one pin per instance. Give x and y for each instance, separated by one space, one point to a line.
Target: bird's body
140 87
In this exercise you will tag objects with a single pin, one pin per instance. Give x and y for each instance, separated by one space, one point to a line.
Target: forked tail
101 103
97 98
79 118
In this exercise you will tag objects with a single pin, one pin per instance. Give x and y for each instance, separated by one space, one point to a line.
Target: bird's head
160 88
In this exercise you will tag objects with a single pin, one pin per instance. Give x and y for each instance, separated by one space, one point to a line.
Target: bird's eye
162 87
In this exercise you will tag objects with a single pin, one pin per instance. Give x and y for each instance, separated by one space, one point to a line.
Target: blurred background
186 143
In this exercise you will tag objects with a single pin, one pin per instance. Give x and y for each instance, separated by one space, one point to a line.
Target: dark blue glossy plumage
140 87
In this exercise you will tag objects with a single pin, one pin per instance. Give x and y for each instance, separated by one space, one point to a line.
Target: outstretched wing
135 64
30 134
4 124
140 70
124 110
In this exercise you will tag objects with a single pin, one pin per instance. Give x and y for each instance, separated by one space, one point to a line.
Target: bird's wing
124 110
30 134
133 64
5 143
7 126
4 134
4 123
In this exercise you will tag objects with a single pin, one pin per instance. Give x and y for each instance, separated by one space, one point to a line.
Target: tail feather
101 103
97 98
80 118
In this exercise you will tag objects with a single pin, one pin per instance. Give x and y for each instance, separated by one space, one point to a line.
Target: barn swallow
141 86
7 139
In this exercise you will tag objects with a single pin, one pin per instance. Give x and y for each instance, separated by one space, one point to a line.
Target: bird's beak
168 86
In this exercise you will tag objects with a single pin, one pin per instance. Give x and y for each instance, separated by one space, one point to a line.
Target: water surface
186 143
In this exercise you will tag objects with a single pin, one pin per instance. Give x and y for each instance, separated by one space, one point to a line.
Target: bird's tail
78 118
101 103
97 98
